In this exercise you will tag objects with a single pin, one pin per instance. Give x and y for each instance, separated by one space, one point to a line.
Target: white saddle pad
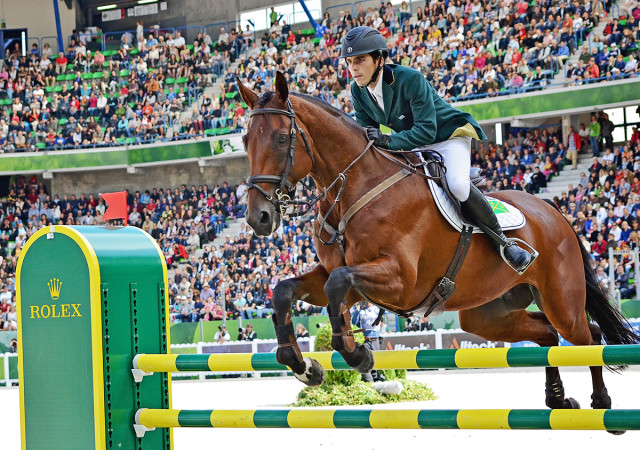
509 217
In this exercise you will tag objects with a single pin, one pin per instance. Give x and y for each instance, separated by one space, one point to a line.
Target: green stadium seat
309 31
62 121
134 52
209 132
41 145
316 41
108 53
121 140
86 76
130 141
132 104
97 75
190 47
70 67
124 73
61 77
230 95
169 81
70 77
48 89
57 88
182 80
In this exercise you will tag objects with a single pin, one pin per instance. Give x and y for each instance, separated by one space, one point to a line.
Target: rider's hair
376 54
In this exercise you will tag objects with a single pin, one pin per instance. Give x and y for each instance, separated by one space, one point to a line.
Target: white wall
38 17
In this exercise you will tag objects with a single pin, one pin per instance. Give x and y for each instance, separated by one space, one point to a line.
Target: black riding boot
478 209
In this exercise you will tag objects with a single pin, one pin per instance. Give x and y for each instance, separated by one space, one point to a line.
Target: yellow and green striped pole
589 355
472 419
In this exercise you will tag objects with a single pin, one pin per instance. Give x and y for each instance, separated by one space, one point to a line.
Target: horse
395 247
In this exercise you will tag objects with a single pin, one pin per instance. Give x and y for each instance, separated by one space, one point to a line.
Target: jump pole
470 419
473 358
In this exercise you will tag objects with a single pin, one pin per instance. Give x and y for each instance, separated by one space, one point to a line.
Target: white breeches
456 153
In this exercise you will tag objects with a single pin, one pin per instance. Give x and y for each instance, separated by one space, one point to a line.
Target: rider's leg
477 208
456 153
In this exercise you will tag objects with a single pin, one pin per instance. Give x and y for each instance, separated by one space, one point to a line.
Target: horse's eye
282 139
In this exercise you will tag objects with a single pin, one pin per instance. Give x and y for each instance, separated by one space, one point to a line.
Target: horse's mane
267 96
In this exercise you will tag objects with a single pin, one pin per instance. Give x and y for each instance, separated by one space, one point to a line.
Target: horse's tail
614 327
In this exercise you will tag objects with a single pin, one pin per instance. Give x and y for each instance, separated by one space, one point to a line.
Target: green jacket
594 129
413 109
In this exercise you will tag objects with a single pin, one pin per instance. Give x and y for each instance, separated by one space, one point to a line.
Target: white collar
377 91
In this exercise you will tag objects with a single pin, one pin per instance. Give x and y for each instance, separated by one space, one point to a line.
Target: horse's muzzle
263 218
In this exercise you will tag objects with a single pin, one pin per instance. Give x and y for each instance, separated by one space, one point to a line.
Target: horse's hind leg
377 279
600 398
310 288
502 320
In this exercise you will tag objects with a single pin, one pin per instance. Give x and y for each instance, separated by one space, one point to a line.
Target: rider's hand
379 139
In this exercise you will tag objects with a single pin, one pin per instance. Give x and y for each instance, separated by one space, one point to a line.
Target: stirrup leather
515 241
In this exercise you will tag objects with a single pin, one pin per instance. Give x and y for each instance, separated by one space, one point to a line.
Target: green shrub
361 393
345 387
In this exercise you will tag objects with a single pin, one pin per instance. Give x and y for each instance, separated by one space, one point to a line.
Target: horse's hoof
616 432
313 374
601 400
571 403
366 361
361 359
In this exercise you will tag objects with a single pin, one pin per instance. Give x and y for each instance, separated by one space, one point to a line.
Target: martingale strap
357 206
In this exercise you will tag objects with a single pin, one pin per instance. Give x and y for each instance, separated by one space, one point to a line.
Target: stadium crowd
138 92
133 94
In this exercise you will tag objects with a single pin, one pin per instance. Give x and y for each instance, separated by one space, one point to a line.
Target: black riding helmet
363 40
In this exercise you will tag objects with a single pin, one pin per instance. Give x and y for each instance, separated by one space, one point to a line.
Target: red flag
116 206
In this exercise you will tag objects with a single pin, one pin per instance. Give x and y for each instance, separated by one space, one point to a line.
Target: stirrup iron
534 254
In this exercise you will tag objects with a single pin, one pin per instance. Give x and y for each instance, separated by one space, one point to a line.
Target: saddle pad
509 217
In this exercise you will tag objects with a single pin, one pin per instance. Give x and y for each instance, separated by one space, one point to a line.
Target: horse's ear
249 97
282 90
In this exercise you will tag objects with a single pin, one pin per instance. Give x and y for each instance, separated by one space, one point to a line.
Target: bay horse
397 246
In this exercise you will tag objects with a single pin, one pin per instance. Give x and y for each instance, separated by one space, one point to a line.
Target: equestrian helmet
362 41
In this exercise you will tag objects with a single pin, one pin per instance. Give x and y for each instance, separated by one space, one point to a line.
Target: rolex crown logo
54 288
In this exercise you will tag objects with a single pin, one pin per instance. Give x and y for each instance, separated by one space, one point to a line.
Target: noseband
282 200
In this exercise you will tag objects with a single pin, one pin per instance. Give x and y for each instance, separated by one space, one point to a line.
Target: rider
402 99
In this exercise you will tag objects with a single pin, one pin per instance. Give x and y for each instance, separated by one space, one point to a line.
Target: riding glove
378 138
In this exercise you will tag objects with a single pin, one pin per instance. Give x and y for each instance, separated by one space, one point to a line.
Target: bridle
283 200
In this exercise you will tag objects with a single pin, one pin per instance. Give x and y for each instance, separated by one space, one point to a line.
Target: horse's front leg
308 287
379 279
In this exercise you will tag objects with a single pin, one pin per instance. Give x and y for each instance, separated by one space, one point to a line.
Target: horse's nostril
265 218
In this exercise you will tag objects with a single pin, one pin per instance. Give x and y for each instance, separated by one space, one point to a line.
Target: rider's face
362 68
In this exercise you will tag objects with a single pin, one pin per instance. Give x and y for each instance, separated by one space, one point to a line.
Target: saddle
509 217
